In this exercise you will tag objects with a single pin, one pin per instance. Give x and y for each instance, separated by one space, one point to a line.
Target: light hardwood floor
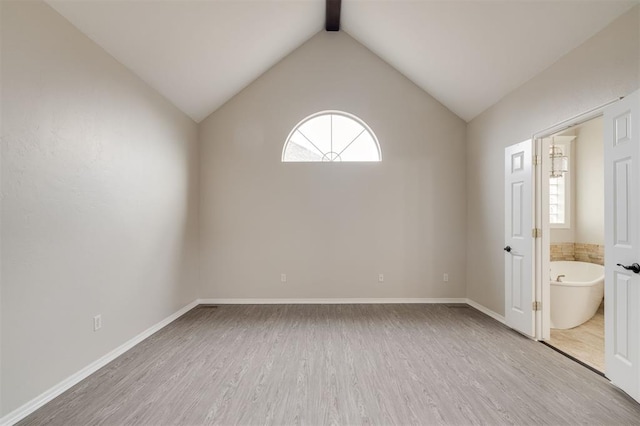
585 342
339 364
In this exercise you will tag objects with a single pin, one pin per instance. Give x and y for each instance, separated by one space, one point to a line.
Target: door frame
541 253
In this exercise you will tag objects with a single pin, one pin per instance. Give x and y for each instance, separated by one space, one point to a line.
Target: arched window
331 136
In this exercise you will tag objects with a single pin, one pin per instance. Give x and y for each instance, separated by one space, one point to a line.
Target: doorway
573 180
527 265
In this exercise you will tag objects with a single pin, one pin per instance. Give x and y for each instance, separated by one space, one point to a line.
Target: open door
518 250
622 244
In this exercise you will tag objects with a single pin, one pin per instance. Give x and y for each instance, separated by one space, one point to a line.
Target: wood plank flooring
584 342
339 364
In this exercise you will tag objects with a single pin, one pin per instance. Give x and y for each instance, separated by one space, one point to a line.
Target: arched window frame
333 112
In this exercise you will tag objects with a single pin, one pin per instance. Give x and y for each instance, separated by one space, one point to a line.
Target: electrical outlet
380 278
283 278
445 278
97 322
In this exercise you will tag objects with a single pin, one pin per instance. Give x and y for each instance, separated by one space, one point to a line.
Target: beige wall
332 227
603 68
587 186
566 234
589 183
99 203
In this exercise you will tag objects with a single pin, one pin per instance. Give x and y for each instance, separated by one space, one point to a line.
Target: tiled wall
562 251
592 253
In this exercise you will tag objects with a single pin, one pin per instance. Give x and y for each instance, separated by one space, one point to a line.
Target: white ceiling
467 54
470 54
197 53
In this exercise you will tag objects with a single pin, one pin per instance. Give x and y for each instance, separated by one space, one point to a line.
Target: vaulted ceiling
467 54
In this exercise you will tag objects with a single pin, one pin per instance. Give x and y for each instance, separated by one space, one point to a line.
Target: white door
518 240
622 244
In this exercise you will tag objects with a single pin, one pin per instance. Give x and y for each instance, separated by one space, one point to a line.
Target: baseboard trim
486 311
31 406
330 301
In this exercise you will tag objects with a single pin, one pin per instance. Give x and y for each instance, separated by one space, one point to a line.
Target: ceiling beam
333 15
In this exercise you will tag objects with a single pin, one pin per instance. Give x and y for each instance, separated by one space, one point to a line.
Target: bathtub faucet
558 279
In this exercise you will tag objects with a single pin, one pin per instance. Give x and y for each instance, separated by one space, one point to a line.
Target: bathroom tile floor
585 342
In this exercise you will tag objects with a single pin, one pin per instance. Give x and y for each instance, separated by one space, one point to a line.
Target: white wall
587 186
603 68
589 183
332 227
99 202
566 234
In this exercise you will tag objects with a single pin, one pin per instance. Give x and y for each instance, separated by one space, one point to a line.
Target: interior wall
587 186
99 202
568 233
603 68
589 183
333 227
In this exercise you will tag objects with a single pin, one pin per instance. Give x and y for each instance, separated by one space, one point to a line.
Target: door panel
516 210
622 244
621 194
621 339
516 283
518 216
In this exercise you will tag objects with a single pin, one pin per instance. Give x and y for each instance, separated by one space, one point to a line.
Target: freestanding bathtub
577 296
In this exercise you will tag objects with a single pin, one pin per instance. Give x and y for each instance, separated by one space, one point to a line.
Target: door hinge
536 160
536 232
536 306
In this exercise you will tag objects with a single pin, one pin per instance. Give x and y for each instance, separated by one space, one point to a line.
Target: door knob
507 249
634 267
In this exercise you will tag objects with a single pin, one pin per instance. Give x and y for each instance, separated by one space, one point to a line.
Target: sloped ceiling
467 54
197 53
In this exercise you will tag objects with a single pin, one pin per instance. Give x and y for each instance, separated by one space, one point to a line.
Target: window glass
331 136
